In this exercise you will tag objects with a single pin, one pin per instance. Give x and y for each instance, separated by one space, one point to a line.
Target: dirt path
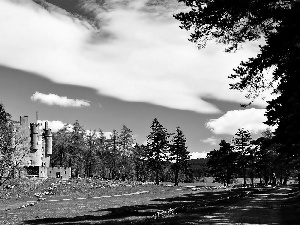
274 206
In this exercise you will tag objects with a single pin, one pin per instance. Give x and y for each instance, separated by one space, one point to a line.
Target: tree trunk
157 177
244 175
176 177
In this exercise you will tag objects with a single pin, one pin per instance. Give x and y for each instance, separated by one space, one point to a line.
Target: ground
105 202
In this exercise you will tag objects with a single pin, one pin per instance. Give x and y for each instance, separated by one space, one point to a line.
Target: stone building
37 161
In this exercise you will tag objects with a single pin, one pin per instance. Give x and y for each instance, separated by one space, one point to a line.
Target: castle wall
59 172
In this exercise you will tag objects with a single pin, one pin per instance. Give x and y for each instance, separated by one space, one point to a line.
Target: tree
140 162
241 142
278 22
61 155
77 149
222 163
90 153
112 155
178 154
126 142
265 156
100 142
14 146
6 135
157 148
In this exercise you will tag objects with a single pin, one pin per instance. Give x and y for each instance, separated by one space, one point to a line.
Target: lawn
89 201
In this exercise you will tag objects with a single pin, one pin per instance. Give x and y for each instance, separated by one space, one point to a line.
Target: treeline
91 153
164 157
244 157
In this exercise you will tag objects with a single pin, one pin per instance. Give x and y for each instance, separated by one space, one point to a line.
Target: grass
134 201
130 202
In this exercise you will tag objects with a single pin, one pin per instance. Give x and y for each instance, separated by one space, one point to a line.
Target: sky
120 62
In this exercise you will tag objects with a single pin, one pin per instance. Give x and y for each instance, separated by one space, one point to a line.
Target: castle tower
48 139
36 152
47 145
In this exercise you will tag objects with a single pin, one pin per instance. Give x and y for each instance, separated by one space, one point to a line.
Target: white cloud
211 141
230 122
54 125
146 59
53 99
197 155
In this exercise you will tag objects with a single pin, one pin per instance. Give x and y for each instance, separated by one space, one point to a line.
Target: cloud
211 141
137 55
53 99
54 125
197 155
230 122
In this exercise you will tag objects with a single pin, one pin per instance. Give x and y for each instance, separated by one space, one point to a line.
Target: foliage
140 163
157 148
277 23
61 146
14 146
179 154
235 22
222 163
241 143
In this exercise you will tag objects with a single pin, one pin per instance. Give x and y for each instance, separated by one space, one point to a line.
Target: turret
48 139
34 136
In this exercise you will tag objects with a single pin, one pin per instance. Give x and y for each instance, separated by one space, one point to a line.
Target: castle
37 161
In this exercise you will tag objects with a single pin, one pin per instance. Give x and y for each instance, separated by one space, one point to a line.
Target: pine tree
179 154
77 149
139 161
157 148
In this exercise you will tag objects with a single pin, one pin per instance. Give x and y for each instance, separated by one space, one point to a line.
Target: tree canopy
277 22
234 22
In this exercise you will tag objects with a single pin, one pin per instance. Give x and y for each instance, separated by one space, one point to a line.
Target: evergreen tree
157 148
241 142
77 149
179 154
100 168
139 161
90 153
112 155
222 163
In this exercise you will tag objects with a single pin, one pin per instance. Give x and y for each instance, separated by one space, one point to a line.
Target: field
106 202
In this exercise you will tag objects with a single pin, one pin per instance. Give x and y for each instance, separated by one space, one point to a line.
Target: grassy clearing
109 202
87 202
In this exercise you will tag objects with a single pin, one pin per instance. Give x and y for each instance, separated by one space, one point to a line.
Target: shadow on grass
175 210
290 209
